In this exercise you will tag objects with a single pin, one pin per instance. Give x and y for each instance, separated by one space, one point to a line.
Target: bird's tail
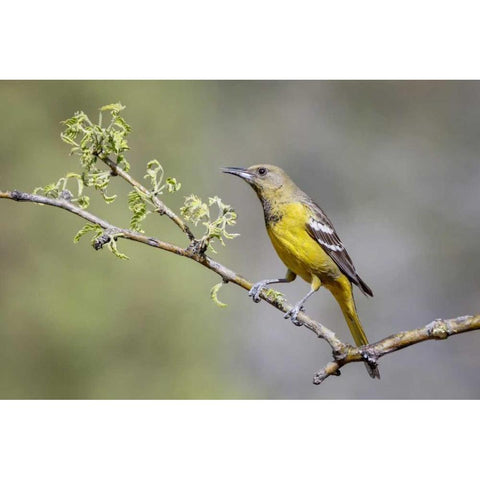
344 297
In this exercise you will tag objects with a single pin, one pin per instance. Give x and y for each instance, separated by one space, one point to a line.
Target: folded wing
321 229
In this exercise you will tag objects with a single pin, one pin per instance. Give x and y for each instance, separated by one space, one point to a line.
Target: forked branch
343 353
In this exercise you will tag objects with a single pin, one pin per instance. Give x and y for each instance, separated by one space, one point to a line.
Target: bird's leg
298 307
257 287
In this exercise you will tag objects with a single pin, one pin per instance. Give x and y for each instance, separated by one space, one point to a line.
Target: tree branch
343 353
225 273
436 330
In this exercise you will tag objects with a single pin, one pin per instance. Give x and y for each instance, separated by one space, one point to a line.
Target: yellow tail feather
342 291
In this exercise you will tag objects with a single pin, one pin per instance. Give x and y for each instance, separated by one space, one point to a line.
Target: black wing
321 229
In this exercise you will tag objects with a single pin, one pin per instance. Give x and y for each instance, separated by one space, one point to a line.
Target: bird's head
266 180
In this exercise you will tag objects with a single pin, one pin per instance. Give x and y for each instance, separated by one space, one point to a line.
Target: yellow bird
306 242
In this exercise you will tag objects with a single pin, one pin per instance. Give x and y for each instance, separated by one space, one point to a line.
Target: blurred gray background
395 164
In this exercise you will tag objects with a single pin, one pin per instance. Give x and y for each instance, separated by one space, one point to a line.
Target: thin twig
161 208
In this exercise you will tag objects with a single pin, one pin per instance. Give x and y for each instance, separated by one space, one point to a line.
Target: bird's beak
239 172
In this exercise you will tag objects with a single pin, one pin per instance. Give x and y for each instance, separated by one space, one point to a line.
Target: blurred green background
394 164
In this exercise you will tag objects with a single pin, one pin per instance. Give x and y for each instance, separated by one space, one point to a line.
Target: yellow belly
297 249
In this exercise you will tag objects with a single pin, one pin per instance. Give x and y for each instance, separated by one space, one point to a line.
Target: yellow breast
296 248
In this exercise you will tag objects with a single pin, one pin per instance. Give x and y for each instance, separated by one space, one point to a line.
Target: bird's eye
262 171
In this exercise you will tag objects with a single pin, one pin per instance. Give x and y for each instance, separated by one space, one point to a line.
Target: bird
307 243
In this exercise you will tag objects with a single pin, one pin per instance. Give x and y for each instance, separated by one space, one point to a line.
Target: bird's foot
293 314
255 291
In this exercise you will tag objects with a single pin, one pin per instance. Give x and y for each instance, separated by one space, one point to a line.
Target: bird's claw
255 291
293 313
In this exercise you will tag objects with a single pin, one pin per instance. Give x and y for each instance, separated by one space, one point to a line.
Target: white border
237 439
239 40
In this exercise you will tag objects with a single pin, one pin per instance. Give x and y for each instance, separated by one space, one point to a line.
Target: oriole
307 243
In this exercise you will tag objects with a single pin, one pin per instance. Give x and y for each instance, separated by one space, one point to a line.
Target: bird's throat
271 211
